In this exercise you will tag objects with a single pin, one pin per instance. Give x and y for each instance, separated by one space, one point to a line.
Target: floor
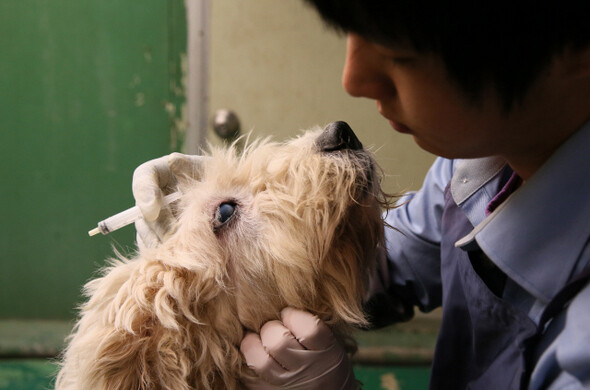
394 358
38 374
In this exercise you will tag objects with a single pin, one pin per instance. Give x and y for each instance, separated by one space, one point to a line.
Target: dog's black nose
338 136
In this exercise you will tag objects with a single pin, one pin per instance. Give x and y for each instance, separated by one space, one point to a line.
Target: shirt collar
537 235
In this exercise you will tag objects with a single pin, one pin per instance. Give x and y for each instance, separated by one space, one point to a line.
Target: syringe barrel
128 216
119 220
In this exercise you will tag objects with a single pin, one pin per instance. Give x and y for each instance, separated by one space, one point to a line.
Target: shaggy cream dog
281 224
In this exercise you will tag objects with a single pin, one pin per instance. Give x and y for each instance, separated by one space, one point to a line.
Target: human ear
575 63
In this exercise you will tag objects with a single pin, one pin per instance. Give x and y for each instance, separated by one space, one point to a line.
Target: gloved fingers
145 236
257 384
185 165
149 179
281 345
279 359
259 359
308 329
153 232
161 226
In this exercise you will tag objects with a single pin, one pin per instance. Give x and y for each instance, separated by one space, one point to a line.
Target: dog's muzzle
338 136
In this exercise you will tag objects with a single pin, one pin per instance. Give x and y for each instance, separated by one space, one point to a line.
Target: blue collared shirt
539 237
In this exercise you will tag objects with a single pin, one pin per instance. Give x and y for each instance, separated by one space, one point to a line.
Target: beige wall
276 65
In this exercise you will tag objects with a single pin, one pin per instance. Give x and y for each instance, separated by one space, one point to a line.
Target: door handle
226 124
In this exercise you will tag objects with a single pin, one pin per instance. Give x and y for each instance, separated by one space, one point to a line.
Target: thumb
148 181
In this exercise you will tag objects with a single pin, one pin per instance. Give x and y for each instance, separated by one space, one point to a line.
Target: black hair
503 43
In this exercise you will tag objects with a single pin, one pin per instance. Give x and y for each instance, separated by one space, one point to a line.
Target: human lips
396 125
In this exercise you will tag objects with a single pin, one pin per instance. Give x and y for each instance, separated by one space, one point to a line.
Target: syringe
127 217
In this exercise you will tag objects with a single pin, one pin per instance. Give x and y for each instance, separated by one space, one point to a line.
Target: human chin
445 150
400 128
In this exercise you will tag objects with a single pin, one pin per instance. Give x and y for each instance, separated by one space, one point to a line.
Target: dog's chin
365 181
370 174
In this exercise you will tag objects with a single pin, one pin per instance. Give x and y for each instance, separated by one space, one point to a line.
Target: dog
296 224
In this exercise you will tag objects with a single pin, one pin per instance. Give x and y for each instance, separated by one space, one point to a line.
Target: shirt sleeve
410 274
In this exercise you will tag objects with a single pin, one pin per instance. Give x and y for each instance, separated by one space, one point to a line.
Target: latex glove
298 353
152 181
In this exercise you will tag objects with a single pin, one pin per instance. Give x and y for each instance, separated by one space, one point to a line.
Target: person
498 235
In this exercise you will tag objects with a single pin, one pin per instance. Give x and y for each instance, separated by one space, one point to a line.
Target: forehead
259 160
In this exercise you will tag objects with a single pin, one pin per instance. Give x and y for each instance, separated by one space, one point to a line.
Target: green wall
89 89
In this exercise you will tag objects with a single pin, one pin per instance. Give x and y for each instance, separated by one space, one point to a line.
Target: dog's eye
225 211
224 214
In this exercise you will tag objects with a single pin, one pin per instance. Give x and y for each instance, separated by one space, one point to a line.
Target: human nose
363 75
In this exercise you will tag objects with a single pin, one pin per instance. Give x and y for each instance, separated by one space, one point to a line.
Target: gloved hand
299 353
152 181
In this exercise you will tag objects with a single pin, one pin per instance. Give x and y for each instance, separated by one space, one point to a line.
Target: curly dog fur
303 233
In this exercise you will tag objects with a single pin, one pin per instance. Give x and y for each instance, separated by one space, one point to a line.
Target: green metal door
88 90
